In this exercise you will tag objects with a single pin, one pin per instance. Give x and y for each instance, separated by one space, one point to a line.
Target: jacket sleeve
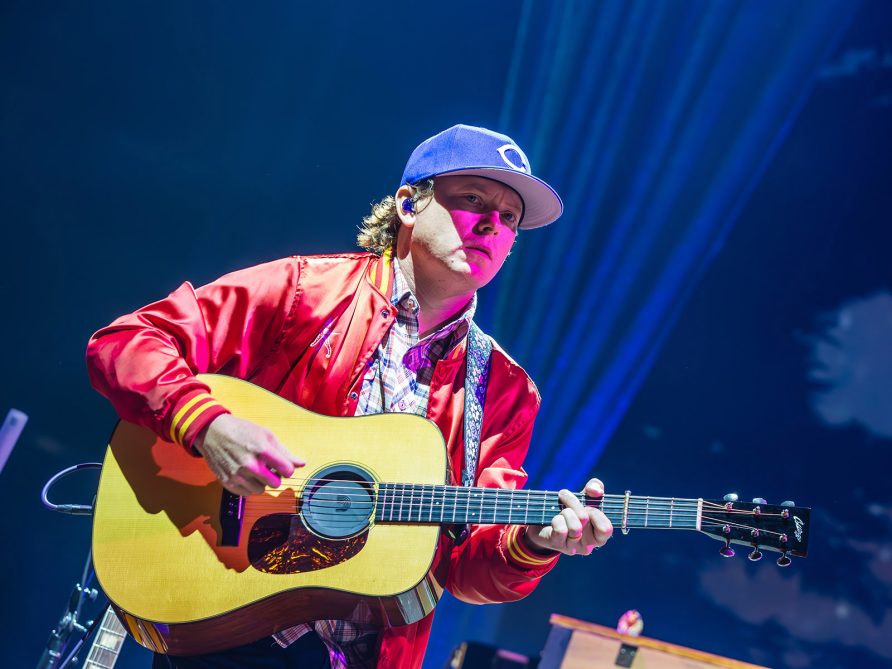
494 564
145 362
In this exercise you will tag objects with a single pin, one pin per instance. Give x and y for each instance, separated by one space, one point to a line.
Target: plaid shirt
397 380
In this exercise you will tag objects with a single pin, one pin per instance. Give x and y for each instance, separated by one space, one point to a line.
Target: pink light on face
476 207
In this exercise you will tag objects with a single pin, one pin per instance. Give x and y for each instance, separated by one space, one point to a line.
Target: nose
489 222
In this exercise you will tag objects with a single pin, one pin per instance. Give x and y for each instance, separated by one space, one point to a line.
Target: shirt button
411 304
354 395
385 313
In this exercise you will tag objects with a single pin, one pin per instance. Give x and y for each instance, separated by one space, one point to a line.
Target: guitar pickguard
281 544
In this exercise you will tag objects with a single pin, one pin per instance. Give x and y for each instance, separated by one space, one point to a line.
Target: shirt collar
403 299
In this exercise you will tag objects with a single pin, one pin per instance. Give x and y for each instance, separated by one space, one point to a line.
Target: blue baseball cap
466 149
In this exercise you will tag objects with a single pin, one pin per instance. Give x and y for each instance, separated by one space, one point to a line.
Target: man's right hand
244 456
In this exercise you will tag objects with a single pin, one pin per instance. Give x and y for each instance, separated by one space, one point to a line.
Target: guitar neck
107 643
439 504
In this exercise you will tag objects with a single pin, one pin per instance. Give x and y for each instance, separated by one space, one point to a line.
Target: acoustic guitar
191 568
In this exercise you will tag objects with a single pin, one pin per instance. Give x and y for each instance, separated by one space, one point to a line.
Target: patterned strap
477 375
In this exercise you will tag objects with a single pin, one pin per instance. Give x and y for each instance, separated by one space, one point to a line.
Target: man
356 334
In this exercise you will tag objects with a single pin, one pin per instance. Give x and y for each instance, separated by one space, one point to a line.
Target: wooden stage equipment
575 644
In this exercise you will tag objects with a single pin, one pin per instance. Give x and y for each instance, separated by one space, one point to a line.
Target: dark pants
308 652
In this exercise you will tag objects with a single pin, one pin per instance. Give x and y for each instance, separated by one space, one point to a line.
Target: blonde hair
378 230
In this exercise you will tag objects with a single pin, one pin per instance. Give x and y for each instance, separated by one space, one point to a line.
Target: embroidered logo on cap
511 155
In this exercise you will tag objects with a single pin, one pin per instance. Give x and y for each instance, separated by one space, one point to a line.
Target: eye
472 198
510 218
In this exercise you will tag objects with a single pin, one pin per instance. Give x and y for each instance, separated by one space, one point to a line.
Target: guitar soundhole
338 502
335 511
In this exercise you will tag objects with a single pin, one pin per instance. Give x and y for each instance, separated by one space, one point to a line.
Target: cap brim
541 204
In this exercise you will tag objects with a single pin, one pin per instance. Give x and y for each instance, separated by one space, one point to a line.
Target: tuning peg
726 550
731 497
756 555
759 500
783 560
788 503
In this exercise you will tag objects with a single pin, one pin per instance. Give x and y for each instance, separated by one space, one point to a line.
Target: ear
407 218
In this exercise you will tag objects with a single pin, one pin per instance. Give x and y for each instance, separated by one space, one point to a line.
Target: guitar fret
103 641
392 499
102 657
546 508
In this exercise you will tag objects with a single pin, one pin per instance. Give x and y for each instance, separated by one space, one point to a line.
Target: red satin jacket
305 328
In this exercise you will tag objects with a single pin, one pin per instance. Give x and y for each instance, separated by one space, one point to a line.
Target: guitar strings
540 504
421 506
634 516
487 505
429 507
513 506
417 515
708 523
428 501
422 489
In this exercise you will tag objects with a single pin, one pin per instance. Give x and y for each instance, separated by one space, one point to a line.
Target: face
464 233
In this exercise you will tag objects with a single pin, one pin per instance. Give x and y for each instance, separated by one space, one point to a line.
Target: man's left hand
576 530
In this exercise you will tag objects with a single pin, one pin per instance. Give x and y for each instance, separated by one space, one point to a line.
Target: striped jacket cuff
523 556
191 416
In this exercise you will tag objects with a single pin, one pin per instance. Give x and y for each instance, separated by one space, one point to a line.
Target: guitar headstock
761 526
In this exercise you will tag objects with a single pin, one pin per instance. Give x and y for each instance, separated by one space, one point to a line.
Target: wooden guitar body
191 568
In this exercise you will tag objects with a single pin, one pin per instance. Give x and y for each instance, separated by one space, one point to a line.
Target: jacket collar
380 273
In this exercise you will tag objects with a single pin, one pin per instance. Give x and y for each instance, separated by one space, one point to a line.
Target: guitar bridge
232 508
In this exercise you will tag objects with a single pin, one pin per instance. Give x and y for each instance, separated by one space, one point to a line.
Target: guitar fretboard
415 503
107 643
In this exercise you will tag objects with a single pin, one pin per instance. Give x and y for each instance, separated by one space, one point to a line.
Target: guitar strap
477 358
479 352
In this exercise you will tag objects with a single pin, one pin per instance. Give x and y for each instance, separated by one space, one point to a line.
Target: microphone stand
68 624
